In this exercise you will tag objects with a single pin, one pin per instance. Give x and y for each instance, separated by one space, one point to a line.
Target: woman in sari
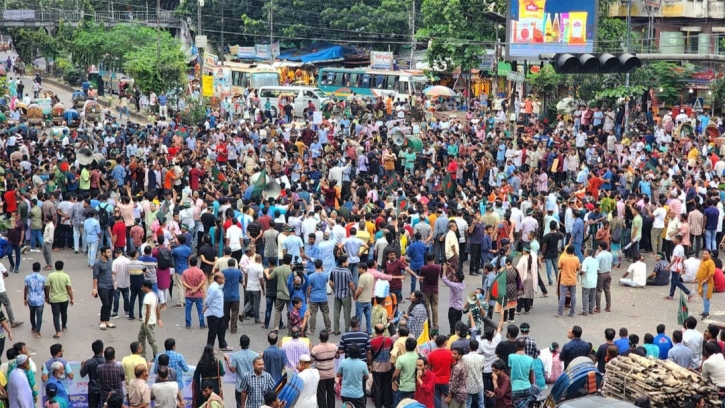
617 227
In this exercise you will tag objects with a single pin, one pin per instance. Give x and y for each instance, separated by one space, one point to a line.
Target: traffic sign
697 105
201 41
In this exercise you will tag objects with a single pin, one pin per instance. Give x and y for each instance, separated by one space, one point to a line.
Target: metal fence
166 17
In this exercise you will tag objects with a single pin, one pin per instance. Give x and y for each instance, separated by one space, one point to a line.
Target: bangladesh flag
449 185
260 184
682 311
498 288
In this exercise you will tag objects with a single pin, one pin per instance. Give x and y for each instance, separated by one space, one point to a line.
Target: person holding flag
505 288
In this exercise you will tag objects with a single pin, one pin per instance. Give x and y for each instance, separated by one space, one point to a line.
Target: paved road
638 309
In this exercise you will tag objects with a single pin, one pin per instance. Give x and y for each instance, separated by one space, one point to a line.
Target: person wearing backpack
164 263
105 219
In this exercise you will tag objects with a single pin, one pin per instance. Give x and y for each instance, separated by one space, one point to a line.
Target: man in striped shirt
324 356
361 338
343 286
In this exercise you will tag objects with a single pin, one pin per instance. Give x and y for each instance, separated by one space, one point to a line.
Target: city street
640 310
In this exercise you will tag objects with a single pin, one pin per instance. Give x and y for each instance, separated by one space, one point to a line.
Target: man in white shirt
658 225
150 317
234 240
165 392
639 274
692 264
692 339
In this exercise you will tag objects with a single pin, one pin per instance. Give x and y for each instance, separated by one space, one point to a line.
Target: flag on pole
498 288
425 335
260 184
682 310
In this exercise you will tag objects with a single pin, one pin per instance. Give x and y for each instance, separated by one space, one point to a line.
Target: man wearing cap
20 395
310 378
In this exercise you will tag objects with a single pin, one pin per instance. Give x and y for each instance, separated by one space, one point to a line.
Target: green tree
95 44
456 32
31 44
718 92
152 74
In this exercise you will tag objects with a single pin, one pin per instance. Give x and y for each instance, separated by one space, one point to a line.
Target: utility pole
221 57
271 30
158 31
626 78
201 54
412 36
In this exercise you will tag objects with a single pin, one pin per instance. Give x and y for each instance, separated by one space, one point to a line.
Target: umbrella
439 90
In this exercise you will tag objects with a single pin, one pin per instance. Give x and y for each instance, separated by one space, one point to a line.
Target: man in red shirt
194 175
395 267
265 220
118 233
194 282
594 183
440 362
10 198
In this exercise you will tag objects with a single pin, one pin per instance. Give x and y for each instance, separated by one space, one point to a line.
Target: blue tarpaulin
317 52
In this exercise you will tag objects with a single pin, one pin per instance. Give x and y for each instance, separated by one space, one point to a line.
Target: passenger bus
251 76
343 82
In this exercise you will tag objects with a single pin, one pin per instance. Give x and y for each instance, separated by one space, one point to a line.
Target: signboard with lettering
246 52
207 86
262 51
381 60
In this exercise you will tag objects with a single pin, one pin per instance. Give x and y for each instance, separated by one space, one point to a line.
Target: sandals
56 336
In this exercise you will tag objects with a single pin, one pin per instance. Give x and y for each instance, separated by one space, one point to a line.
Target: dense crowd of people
273 223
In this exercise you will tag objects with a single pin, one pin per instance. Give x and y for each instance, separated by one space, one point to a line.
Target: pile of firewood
664 382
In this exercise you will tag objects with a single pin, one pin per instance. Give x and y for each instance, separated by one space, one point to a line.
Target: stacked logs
664 382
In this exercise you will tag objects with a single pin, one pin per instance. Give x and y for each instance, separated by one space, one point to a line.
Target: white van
301 96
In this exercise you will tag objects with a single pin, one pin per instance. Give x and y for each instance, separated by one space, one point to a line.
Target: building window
691 43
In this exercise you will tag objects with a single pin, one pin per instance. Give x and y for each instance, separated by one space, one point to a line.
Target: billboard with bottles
536 27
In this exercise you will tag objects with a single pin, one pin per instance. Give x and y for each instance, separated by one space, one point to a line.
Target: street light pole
221 57
271 30
626 78
201 55
412 36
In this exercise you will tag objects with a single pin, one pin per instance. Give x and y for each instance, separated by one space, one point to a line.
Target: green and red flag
449 185
682 310
498 288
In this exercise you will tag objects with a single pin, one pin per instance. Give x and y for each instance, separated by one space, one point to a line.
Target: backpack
617 234
164 258
103 215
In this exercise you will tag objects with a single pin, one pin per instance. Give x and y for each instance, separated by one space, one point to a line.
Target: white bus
251 76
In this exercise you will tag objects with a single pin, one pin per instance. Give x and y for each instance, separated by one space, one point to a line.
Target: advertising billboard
536 27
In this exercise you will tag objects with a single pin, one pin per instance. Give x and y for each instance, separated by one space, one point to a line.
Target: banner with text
381 60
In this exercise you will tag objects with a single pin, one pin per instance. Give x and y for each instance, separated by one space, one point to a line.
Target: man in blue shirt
176 361
311 254
214 313
232 278
577 235
622 342
293 245
416 253
318 297
662 341
92 233
180 255
274 357
712 215
119 174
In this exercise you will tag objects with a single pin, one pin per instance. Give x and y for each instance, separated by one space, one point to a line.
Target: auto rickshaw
72 117
92 111
79 99
57 114
35 115
46 104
